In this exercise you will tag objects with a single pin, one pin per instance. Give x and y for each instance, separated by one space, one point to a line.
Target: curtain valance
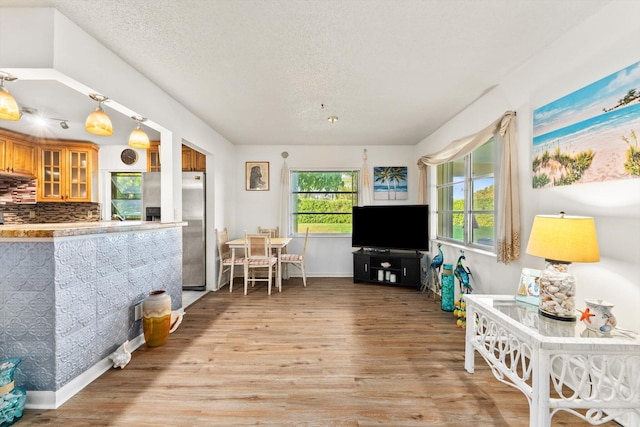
508 199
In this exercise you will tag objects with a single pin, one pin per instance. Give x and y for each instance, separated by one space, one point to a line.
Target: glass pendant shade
139 138
98 123
9 109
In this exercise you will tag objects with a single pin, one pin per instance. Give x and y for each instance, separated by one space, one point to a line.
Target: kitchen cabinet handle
404 271
366 268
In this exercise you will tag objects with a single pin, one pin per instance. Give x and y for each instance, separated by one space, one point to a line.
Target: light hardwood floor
332 354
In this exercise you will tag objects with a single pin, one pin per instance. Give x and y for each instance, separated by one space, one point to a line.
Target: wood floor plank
332 354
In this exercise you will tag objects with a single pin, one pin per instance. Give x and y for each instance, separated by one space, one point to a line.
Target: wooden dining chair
297 259
258 255
272 232
226 263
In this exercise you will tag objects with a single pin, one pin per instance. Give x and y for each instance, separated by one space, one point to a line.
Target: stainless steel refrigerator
193 213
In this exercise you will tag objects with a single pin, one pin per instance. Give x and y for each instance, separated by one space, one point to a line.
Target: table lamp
561 240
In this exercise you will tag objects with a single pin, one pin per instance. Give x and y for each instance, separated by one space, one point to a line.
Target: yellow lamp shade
139 139
98 123
9 109
564 238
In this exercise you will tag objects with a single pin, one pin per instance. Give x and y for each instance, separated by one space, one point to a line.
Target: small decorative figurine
122 356
433 276
463 274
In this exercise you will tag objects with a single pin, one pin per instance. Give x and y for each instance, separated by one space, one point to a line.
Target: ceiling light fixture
9 109
332 119
138 138
41 120
98 123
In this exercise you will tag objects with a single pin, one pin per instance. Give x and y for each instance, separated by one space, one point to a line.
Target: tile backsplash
17 190
18 205
14 213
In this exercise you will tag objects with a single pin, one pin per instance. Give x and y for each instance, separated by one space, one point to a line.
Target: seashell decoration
557 292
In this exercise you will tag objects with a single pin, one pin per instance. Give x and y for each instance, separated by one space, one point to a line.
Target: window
126 189
466 195
323 200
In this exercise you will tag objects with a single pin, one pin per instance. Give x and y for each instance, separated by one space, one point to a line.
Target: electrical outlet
32 214
138 311
89 215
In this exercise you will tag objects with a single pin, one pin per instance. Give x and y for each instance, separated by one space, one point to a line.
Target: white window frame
293 192
469 209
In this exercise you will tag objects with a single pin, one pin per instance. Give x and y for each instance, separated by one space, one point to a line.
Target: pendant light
9 109
98 123
138 138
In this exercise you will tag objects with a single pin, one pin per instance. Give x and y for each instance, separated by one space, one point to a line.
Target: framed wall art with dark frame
257 176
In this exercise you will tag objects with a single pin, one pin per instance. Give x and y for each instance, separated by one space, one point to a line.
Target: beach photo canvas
390 183
590 135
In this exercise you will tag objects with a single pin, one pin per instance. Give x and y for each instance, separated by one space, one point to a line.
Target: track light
9 109
98 123
138 138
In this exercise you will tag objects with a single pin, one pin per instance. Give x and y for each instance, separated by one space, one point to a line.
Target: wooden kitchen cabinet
193 161
67 172
17 156
153 157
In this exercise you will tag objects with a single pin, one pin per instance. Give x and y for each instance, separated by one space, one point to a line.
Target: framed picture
257 176
590 135
529 286
390 183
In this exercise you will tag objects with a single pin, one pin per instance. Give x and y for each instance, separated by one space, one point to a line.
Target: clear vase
12 398
156 318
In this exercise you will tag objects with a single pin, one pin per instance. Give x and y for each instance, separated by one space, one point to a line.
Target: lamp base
557 292
554 317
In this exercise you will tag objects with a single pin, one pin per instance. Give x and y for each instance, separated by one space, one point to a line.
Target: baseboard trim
54 399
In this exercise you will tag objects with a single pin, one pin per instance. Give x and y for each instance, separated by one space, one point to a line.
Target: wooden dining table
277 243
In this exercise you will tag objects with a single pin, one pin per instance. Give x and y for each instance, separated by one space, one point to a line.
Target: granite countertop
80 228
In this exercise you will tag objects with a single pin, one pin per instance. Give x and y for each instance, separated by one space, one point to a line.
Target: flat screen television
391 227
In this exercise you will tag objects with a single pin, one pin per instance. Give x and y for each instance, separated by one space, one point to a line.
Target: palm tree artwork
390 183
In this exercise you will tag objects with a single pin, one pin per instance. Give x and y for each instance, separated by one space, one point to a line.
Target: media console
387 267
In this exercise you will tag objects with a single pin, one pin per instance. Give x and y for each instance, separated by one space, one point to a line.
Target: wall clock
129 156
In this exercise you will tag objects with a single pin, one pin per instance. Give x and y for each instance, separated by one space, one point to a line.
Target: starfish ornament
586 315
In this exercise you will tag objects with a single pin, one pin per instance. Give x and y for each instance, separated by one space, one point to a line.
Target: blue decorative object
447 288
433 280
12 398
463 274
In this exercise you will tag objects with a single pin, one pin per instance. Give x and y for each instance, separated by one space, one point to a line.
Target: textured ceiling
393 71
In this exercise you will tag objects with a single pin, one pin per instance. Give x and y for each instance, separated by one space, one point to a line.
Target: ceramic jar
446 303
598 317
12 398
156 318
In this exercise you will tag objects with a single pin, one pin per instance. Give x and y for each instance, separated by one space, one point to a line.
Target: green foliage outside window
126 192
323 200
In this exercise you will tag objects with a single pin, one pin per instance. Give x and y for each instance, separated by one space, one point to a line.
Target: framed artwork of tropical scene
390 183
590 135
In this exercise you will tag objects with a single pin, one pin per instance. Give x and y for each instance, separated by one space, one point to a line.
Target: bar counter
68 294
80 228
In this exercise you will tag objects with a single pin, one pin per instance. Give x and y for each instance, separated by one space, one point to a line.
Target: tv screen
391 227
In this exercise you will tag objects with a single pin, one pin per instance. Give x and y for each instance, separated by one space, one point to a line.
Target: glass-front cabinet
67 172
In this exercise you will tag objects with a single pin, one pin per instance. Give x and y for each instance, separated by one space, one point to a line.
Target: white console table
559 366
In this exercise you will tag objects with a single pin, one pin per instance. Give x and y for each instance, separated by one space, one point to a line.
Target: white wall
595 49
326 256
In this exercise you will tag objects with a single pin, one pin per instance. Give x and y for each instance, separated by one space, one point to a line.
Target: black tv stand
388 267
